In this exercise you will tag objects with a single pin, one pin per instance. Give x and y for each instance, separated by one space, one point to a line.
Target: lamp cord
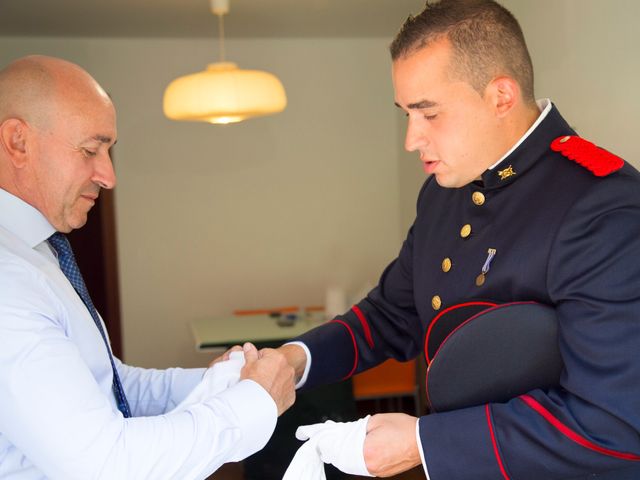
221 36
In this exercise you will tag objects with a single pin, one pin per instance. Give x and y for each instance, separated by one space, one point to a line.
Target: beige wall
274 210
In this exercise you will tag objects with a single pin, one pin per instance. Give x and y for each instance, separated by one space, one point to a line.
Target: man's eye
89 153
430 117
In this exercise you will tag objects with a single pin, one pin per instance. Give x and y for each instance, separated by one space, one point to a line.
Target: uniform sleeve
55 414
383 325
591 424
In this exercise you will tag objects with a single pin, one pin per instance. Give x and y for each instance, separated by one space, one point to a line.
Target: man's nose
104 174
415 137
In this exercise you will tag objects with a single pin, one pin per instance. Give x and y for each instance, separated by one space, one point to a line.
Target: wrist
296 357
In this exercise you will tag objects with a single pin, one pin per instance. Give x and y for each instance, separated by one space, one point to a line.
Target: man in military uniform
517 208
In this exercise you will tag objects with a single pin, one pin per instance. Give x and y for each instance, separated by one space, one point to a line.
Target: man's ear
13 140
504 93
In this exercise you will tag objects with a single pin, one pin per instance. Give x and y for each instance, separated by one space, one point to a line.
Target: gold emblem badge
506 173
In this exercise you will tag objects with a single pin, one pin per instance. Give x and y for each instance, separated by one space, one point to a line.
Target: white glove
340 444
215 379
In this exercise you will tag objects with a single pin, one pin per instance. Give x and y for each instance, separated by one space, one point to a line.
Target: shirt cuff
256 414
307 367
419 441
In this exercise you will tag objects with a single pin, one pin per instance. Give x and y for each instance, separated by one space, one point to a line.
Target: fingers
250 353
384 458
283 387
305 432
269 353
270 369
226 355
235 348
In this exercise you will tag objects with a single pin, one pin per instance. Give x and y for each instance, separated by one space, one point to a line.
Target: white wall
272 211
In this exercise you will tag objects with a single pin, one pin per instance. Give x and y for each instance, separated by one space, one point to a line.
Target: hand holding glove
340 444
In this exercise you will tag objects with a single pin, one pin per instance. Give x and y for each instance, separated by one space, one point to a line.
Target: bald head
33 87
56 127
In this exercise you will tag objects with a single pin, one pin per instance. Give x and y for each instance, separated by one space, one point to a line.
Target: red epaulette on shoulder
599 161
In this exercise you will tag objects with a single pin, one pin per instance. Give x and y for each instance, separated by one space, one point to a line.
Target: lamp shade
224 94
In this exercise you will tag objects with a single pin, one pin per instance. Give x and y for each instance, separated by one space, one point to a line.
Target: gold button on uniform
446 265
478 198
465 231
436 302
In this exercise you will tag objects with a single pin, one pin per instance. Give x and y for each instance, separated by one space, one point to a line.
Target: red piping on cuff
566 431
365 325
495 444
355 347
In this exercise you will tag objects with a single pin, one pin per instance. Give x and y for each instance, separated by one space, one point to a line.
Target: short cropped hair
486 38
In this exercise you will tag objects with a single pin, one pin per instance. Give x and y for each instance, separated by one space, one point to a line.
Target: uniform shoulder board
599 161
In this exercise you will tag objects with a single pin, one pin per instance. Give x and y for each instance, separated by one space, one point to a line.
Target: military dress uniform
556 222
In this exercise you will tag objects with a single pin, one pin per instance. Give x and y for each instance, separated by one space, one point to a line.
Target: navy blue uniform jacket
563 237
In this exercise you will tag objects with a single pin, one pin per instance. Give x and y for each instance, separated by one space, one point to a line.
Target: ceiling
192 18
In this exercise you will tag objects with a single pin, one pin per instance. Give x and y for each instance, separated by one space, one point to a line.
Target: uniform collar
533 145
545 107
23 220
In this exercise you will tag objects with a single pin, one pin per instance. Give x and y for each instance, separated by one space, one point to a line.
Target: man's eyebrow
101 139
419 105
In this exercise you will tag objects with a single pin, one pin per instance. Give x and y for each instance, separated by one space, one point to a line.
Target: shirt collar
545 107
23 220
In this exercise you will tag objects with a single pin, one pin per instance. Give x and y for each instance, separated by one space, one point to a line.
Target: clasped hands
268 368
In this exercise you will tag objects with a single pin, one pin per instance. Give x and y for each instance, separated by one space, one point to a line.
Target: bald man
68 408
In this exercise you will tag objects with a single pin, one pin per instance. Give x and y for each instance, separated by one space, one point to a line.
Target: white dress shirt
58 415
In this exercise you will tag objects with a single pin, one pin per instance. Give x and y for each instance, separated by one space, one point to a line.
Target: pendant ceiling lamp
223 93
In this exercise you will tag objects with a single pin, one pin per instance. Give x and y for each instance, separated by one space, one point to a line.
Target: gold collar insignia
506 173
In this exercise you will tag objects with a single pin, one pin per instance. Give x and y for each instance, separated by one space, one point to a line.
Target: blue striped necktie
70 268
